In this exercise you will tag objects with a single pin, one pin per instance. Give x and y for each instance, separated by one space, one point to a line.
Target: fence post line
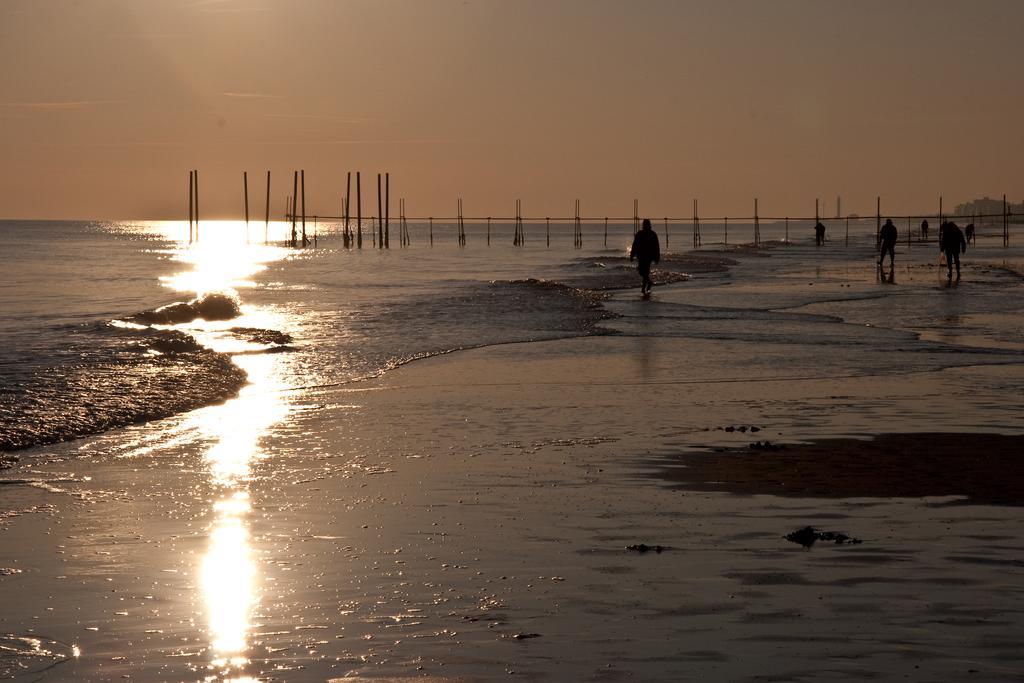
304 240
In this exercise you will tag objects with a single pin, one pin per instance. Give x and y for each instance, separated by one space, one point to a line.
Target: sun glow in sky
105 106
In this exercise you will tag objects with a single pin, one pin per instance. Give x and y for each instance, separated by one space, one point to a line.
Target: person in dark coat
819 234
888 236
646 250
924 229
952 244
969 233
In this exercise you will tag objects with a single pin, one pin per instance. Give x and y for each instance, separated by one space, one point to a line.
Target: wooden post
295 194
305 242
348 207
380 214
817 218
245 191
461 227
548 223
606 231
666 230
908 230
195 177
488 231
578 228
190 208
266 222
359 211
727 230
757 225
847 242
878 222
431 231
387 210
696 225
1006 223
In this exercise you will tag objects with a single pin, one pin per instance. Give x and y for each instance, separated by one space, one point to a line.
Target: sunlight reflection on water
229 578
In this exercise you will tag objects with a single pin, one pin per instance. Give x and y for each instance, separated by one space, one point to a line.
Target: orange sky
106 104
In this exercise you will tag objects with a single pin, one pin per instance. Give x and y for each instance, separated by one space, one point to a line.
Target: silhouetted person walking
645 250
888 236
819 234
924 229
969 233
952 244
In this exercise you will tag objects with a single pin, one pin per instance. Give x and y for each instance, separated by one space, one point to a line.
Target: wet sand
467 517
980 468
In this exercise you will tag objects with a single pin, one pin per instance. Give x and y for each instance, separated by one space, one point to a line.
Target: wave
104 375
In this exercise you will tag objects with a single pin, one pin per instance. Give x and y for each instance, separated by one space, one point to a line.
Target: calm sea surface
82 350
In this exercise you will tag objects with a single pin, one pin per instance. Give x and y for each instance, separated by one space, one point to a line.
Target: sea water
105 324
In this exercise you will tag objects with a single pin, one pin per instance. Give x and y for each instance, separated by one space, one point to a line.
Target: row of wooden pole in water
382 238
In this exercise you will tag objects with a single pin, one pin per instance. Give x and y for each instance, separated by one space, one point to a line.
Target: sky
105 105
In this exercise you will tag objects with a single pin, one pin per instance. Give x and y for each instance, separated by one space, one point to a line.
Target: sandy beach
469 516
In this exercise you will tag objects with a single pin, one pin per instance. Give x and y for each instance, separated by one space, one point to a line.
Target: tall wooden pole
195 176
346 208
359 211
245 191
387 210
1006 223
304 240
878 221
295 194
757 226
380 214
266 224
190 207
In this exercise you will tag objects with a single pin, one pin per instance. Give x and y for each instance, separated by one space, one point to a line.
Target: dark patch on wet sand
983 468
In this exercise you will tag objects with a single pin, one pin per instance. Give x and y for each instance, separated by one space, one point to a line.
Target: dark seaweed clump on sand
982 468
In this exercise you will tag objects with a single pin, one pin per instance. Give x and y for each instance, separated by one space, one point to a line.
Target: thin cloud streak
252 95
45 106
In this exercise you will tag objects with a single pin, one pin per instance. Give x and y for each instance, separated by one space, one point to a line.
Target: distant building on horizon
987 205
